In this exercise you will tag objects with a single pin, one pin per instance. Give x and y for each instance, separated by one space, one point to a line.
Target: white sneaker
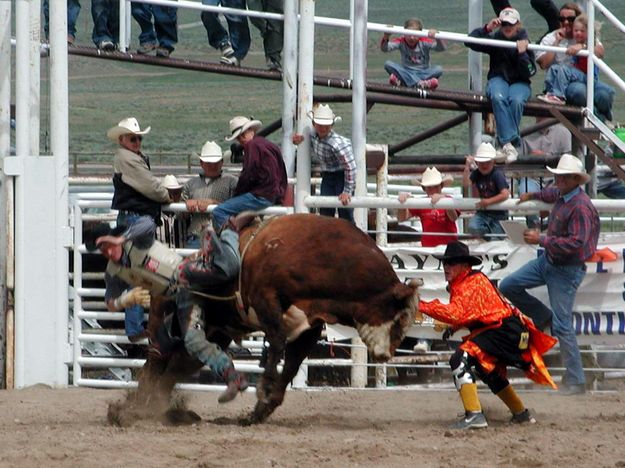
507 154
422 346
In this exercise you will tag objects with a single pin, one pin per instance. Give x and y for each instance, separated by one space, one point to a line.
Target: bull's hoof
251 420
181 417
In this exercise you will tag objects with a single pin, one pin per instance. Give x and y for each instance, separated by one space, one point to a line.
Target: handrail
609 16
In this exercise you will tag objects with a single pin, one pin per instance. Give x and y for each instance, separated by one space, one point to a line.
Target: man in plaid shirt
336 158
571 239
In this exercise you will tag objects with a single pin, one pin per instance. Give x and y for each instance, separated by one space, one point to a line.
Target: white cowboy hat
509 15
569 164
240 124
432 177
211 153
323 115
170 182
125 127
485 152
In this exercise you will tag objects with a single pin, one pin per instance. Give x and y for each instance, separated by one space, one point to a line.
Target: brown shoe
236 383
139 337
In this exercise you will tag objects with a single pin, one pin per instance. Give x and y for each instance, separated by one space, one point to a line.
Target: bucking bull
297 273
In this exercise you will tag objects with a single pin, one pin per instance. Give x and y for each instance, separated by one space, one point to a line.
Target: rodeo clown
153 269
499 336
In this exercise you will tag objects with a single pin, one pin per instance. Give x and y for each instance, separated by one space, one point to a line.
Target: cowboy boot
236 383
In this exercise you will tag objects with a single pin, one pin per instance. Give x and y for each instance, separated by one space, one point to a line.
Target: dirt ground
67 427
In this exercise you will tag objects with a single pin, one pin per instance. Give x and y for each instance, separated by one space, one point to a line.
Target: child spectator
509 74
415 69
490 185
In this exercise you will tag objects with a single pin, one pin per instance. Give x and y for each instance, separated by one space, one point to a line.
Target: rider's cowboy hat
211 153
125 127
457 252
170 182
240 124
323 115
432 177
569 164
485 152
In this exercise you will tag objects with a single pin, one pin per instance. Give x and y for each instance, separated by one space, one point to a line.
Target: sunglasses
505 24
135 138
567 19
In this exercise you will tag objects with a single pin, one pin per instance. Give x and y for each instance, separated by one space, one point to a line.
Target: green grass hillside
186 108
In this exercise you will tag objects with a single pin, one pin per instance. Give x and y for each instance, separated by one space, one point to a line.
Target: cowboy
137 259
262 181
571 239
211 187
500 336
137 191
336 157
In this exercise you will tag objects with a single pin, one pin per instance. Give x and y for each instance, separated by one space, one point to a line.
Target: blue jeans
603 98
235 205
507 101
239 36
332 183
164 28
613 189
192 242
409 76
73 9
528 185
105 14
483 223
560 76
562 282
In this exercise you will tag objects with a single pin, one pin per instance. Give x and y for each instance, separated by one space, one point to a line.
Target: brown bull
298 272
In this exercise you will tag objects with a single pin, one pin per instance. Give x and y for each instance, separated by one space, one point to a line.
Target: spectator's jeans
332 183
483 223
613 189
604 98
235 205
164 28
272 31
73 8
410 76
237 25
105 14
508 101
528 185
562 282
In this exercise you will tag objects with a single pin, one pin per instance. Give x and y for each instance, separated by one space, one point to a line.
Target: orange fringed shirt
474 303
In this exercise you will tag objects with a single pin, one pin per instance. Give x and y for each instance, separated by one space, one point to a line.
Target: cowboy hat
125 127
432 177
457 252
509 15
569 164
170 182
240 124
100 230
485 152
211 153
323 115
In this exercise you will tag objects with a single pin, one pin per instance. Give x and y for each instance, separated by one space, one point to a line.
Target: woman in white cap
336 157
137 191
509 74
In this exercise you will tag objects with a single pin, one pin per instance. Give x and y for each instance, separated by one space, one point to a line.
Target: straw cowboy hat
509 15
240 124
211 153
323 115
432 177
125 127
485 152
569 164
170 182
457 252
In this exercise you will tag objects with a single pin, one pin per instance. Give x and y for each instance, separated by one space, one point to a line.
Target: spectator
570 240
608 183
545 8
105 14
336 157
137 191
500 336
575 93
138 259
233 43
211 187
509 74
272 31
73 9
490 185
262 181
415 69
159 28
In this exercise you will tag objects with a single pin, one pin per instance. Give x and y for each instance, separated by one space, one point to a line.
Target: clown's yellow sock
468 395
512 400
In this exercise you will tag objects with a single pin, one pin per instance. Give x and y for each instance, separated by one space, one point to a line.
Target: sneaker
146 48
70 40
551 99
430 84
106 46
230 61
507 154
393 80
163 52
274 64
236 383
227 50
523 418
471 420
422 347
